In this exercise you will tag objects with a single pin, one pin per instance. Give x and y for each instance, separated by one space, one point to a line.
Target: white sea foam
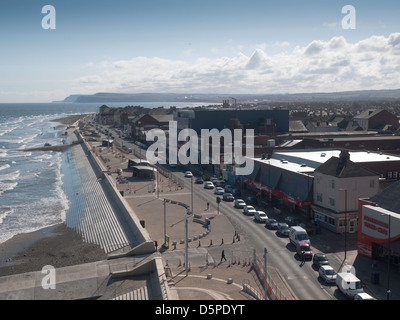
10 176
4 186
3 167
4 213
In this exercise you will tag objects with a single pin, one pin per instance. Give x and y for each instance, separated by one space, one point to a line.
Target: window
395 174
319 197
389 175
331 201
333 184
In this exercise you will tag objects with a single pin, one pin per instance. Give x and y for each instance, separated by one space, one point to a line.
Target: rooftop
306 161
389 198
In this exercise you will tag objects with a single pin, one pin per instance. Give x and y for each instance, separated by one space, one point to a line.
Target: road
302 278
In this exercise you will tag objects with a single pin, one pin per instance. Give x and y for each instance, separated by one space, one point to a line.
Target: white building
338 184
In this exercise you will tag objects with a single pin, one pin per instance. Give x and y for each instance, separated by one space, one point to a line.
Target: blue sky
191 46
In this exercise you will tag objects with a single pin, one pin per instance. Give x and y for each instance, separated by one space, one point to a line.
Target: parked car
320 259
208 185
228 197
236 192
199 180
214 180
228 188
327 274
249 210
219 190
188 174
220 183
251 200
363 296
239 203
283 229
292 220
260 216
303 249
271 224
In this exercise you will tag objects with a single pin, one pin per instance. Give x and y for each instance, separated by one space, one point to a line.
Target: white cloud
333 65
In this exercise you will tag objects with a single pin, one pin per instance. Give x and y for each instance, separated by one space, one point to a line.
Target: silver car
239 203
249 210
260 216
327 273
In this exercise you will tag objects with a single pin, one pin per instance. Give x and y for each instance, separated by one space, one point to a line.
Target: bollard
210 242
233 241
199 244
222 242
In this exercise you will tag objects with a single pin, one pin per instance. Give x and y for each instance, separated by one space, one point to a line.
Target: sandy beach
56 245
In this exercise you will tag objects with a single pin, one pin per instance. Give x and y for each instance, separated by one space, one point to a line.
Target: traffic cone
189 267
234 262
229 265
244 263
180 263
167 264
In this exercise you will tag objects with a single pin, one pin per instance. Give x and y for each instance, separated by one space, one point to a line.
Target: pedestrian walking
156 244
223 256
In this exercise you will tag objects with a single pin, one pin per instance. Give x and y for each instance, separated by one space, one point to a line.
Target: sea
32 193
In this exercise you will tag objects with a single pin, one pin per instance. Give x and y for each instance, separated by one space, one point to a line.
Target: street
302 278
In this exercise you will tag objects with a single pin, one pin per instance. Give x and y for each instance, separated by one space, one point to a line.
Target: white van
297 234
348 284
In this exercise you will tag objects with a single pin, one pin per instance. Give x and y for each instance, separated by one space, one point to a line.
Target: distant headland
217 98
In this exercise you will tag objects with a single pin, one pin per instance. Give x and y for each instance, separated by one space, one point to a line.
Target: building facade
338 184
379 227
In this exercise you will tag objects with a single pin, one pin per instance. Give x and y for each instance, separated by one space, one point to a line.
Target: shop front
379 231
289 202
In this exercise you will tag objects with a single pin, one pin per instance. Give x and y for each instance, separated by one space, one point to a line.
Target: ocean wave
4 131
4 187
10 176
6 166
4 213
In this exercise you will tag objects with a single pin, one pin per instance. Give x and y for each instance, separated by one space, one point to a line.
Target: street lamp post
389 258
191 191
186 246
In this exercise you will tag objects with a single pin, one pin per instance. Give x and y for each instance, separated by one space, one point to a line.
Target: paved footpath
205 247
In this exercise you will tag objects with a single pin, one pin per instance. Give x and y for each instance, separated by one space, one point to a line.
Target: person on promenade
222 256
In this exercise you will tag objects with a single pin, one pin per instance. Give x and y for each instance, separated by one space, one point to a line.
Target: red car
304 249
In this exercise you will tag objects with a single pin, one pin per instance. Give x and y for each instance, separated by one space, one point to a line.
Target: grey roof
280 179
297 126
389 198
344 169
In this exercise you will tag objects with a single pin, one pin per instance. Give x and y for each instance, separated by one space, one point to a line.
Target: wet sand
58 246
